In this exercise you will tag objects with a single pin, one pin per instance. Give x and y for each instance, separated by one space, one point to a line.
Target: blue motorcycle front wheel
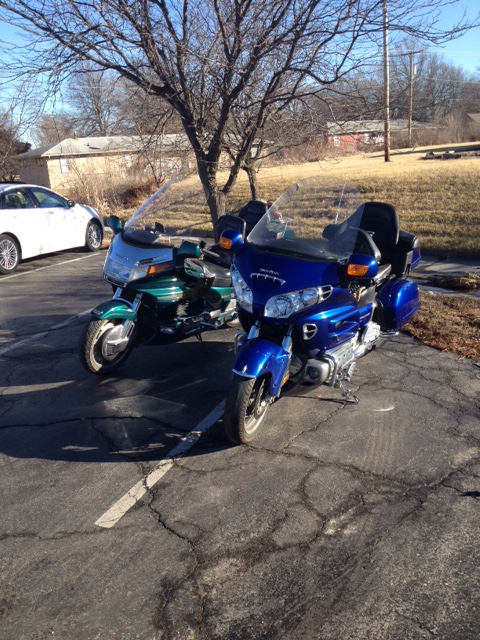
245 408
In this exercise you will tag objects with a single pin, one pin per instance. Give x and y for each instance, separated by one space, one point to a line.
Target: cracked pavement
340 521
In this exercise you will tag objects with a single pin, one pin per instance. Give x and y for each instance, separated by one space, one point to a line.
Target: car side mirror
70 203
115 224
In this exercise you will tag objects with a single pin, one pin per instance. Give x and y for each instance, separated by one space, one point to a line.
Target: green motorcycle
166 288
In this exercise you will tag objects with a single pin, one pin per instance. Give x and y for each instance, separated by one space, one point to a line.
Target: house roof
475 117
103 145
368 126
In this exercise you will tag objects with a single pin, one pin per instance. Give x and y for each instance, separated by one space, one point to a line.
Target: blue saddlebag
399 300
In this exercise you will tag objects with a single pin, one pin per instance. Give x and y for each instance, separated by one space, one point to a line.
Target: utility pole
386 79
410 104
410 101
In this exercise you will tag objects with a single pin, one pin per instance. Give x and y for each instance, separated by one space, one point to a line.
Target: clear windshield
313 218
170 215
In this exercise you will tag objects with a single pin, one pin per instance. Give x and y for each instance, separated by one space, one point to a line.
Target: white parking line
49 266
43 334
120 508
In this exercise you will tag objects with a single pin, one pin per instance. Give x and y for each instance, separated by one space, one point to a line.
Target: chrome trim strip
269 278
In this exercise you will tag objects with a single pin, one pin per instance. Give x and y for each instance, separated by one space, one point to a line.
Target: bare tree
94 97
151 119
212 60
52 128
10 145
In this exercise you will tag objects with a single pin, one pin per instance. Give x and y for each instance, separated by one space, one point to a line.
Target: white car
35 220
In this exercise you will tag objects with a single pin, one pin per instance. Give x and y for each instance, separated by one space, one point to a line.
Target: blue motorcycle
320 281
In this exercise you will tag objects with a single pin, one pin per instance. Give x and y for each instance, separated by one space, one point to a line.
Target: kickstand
348 395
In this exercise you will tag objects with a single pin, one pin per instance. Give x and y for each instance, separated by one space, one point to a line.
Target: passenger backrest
231 222
381 220
252 212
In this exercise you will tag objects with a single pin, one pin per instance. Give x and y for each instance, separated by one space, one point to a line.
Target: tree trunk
215 198
252 180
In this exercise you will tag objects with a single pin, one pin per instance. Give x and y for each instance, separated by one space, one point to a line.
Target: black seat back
381 221
252 212
231 222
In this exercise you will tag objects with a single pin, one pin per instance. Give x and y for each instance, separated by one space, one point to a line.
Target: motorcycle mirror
231 240
360 265
115 224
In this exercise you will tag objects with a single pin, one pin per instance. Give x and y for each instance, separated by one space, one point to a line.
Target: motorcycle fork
287 343
127 326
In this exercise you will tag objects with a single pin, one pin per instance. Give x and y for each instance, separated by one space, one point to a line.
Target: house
358 134
64 165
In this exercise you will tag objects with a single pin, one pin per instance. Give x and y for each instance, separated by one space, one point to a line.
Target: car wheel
9 254
93 236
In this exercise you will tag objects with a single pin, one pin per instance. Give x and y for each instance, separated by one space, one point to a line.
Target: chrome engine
337 364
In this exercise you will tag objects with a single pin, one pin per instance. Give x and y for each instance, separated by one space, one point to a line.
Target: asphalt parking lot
126 513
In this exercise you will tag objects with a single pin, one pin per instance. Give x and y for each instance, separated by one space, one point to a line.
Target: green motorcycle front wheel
106 344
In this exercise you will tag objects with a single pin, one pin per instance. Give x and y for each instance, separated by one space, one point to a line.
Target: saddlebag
396 303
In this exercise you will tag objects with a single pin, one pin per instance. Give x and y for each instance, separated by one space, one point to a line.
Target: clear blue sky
464 51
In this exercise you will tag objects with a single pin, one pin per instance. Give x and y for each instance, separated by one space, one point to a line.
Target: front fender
114 309
259 357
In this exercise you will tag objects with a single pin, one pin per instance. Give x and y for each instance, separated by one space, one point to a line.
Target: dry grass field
448 323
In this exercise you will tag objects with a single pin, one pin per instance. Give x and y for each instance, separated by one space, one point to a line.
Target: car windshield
170 215
315 218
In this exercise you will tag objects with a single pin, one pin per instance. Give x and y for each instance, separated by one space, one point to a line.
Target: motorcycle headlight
121 273
243 293
285 304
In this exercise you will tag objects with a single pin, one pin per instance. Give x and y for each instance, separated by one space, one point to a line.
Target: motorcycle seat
384 270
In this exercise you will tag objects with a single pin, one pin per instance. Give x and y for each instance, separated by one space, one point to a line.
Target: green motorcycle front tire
95 352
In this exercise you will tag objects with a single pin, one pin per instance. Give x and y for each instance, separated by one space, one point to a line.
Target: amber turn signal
357 270
158 268
225 243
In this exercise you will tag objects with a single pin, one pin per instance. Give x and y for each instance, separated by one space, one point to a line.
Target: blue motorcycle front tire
245 408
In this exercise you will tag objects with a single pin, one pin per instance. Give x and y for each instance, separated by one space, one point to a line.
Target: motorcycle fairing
269 274
260 357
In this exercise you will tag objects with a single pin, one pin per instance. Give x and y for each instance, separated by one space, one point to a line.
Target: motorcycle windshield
177 203
315 218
